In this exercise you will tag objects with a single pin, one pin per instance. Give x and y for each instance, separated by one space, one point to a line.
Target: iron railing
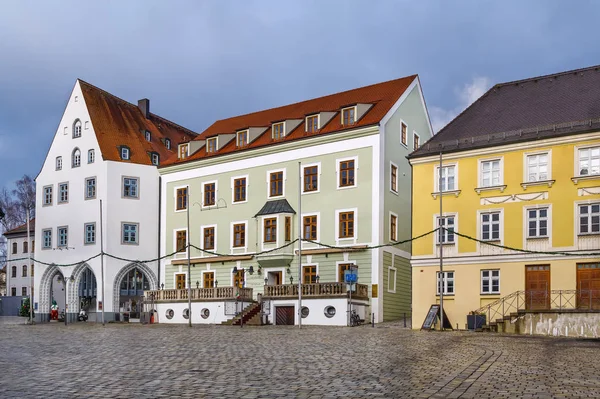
541 300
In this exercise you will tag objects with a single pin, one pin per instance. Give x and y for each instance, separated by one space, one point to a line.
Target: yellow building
520 171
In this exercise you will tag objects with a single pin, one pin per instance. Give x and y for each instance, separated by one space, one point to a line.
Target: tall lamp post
29 249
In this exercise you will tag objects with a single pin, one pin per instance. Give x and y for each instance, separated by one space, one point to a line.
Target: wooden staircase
250 315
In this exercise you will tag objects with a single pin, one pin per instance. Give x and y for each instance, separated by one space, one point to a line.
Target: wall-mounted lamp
235 270
266 280
216 283
291 279
197 284
317 278
288 270
162 286
251 270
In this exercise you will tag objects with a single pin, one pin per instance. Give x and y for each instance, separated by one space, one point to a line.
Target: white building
18 273
105 151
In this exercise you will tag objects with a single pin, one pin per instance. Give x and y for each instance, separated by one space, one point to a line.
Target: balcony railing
200 294
315 290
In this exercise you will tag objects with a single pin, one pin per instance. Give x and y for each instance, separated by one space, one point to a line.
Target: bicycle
354 319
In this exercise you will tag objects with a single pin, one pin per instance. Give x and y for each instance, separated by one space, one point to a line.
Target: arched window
91 156
13 272
77 129
24 271
76 158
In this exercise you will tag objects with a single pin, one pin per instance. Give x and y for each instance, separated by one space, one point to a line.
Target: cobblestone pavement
135 361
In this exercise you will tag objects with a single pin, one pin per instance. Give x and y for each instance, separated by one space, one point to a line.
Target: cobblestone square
159 361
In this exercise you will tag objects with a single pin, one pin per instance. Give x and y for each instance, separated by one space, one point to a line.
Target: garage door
284 315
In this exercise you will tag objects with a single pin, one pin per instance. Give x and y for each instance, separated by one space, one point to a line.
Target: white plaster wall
316 315
217 313
19 281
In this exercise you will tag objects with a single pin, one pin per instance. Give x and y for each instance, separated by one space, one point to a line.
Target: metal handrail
543 300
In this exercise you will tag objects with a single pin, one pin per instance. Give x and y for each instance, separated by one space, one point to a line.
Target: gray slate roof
537 108
276 206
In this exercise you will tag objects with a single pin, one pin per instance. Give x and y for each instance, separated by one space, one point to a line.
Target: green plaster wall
398 303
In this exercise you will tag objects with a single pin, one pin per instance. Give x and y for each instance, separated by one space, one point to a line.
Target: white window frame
91 156
216 183
137 233
395 271
44 236
137 179
76 158
526 158
45 195
85 187
447 277
168 144
175 198
402 122
214 226
85 233
282 130
342 115
415 134
237 138
548 219
125 153
278 226
232 236
480 172
337 172
490 279
589 204
436 178
445 217
216 141
578 150
58 163
318 122
337 224
58 237
390 226
393 189
77 128
59 199
309 165
155 159
187 150
269 183
233 179
480 214
148 136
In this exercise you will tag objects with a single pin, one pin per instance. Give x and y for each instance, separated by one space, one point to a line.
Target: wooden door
588 286
284 315
180 281
537 287
276 278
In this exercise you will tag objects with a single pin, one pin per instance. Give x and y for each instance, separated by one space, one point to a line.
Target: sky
199 61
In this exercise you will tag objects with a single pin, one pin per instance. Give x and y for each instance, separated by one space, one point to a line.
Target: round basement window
186 313
205 313
169 313
304 312
329 311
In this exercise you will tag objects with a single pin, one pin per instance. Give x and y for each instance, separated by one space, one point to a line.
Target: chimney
144 106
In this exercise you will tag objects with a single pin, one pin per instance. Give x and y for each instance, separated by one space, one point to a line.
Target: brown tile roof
118 122
536 108
381 95
22 229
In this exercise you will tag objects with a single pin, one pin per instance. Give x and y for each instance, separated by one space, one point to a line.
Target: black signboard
433 313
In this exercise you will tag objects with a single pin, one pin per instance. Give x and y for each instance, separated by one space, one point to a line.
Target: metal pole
102 261
350 306
242 298
29 249
440 232
65 281
189 279
300 245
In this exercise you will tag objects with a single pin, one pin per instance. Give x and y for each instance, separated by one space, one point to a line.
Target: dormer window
168 144
148 136
278 131
211 145
348 116
312 123
155 158
242 139
125 153
77 129
183 151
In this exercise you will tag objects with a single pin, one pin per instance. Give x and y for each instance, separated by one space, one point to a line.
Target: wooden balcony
318 290
199 294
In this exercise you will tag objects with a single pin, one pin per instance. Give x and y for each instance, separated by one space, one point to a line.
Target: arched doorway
130 284
52 289
87 290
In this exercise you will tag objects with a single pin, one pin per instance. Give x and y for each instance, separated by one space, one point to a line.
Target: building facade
333 168
105 151
19 271
520 172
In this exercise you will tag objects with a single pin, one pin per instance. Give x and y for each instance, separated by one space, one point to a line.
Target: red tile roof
382 96
120 123
22 229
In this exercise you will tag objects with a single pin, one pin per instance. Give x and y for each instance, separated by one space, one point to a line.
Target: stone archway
148 273
45 288
74 287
